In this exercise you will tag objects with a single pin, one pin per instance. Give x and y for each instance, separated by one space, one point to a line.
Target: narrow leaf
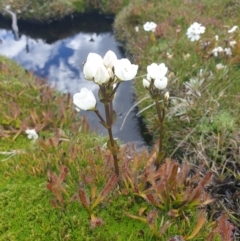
83 197
200 224
111 183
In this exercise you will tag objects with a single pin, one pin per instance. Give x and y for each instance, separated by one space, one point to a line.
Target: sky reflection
61 63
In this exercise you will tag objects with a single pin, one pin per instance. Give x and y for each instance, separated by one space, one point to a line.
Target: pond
56 52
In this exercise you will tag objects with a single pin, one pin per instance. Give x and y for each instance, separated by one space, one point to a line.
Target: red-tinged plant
90 203
223 228
56 186
169 188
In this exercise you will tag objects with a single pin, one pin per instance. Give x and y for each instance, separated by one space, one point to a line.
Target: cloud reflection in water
61 62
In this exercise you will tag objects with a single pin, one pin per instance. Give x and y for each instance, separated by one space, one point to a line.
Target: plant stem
161 115
99 116
108 108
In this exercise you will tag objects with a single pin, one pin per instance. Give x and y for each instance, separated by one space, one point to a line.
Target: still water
56 51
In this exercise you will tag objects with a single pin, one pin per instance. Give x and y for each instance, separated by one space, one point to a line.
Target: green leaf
114 117
100 94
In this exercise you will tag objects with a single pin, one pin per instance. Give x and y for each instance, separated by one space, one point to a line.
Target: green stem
99 116
108 108
161 115
114 91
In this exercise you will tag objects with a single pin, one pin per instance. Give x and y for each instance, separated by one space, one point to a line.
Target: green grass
28 215
40 11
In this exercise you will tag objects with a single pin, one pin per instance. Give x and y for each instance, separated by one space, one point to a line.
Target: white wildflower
194 31
228 51
220 66
232 43
32 134
233 29
217 50
150 26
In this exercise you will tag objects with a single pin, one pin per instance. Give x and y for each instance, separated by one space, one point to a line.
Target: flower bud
166 96
146 83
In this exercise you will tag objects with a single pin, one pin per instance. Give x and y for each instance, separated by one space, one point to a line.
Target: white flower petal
109 59
146 83
101 76
84 100
89 70
94 57
124 70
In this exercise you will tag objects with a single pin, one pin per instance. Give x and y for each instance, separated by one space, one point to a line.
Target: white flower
150 26
228 51
233 29
220 66
98 69
156 71
84 100
232 43
216 37
146 83
8 7
194 31
161 83
32 134
217 50
124 70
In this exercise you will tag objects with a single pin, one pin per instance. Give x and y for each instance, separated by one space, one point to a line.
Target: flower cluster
150 26
156 76
194 31
105 72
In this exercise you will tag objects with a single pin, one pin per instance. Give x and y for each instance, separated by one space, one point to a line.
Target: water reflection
61 62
